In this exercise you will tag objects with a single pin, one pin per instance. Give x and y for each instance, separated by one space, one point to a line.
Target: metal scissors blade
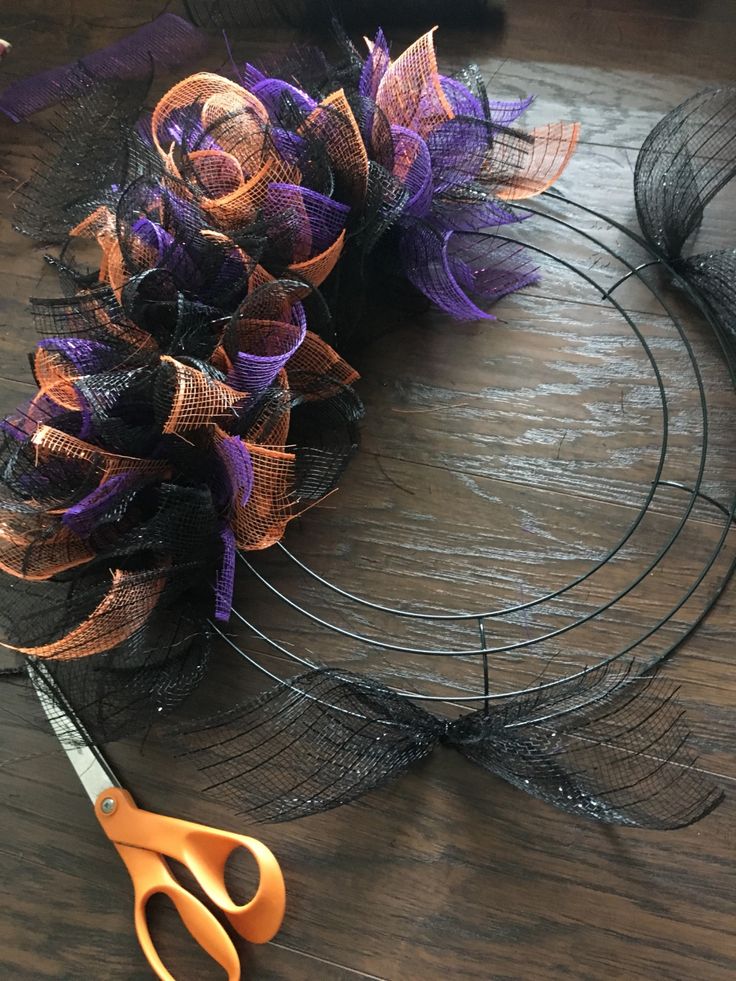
89 764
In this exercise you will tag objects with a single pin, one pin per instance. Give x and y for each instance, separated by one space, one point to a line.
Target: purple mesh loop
274 92
299 315
166 42
458 149
32 482
171 253
84 516
462 100
504 113
497 266
474 216
256 370
238 465
87 356
288 145
319 219
180 212
428 107
374 67
413 167
235 269
427 264
225 579
153 235
249 75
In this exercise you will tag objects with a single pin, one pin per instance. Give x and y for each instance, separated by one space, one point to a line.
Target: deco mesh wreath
195 396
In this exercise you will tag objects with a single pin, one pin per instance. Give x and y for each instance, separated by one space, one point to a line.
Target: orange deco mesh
318 371
54 375
52 442
270 427
263 519
37 554
257 518
168 390
316 270
196 400
550 153
241 205
410 93
334 124
196 89
234 179
124 610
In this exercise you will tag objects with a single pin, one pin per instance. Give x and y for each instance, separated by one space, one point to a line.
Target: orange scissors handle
151 875
142 837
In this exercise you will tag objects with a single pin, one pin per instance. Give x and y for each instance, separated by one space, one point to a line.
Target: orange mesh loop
54 442
241 205
124 610
232 102
99 222
117 274
218 173
270 298
240 126
410 93
318 268
262 520
320 367
220 360
226 240
198 400
550 153
54 375
99 225
259 277
64 394
191 90
24 555
333 122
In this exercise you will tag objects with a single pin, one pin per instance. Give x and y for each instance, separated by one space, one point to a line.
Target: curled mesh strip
689 157
318 741
85 153
683 163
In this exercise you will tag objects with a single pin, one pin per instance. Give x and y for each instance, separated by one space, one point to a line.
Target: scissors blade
89 764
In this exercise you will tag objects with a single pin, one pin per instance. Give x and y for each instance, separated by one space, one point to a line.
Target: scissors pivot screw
108 805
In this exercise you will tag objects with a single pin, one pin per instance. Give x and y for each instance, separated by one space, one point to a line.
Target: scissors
142 838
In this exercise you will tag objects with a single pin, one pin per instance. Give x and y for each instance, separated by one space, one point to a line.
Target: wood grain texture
500 462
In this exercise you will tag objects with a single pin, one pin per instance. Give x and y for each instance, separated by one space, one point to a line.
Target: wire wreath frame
706 580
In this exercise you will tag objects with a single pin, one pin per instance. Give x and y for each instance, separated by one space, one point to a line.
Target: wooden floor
499 461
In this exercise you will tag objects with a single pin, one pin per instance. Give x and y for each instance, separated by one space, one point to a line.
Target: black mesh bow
603 744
